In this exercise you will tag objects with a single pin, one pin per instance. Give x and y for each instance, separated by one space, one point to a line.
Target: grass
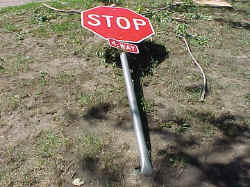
91 146
248 97
9 27
64 78
15 64
64 88
147 106
48 144
9 102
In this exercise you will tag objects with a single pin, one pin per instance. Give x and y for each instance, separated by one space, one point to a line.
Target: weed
90 146
14 160
193 92
2 174
41 31
44 77
42 15
9 102
2 62
139 6
63 78
2 59
200 40
198 16
248 97
109 55
168 124
29 178
183 127
65 26
2 69
187 6
176 126
20 36
48 143
147 105
181 30
93 98
16 64
208 130
22 63
85 99
10 27
109 2
177 160
162 17
88 4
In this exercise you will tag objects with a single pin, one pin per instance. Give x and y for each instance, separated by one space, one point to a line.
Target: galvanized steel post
145 164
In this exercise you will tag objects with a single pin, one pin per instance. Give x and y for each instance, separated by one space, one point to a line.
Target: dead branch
179 20
197 64
65 11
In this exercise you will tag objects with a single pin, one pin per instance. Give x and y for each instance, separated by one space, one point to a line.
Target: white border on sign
82 22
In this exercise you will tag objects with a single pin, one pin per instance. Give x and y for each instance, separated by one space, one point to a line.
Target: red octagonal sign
117 23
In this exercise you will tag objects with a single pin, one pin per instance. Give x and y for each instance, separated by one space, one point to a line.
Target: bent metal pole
145 164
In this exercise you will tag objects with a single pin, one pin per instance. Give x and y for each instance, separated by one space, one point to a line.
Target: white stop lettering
118 21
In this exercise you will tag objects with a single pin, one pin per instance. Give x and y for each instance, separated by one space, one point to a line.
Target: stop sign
117 23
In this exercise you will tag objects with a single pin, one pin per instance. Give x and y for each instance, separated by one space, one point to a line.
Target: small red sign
130 48
118 23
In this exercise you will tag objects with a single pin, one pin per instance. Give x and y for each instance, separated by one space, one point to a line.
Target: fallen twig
203 74
65 11
179 19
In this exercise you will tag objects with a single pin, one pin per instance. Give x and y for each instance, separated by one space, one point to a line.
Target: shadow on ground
142 64
225 164
196 173
98 112
234 24
174 165
107 176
